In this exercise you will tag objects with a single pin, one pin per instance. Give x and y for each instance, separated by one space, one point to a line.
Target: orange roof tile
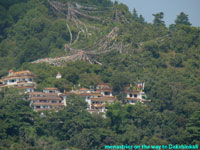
51 88
11 70
42 93
17 77
45 98
99 105
52 104
83 89
103 99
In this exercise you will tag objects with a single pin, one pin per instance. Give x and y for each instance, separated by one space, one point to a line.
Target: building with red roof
49 99
22 79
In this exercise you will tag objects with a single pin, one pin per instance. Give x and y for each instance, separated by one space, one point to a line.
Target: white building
135 94
96 100
21 79
49 99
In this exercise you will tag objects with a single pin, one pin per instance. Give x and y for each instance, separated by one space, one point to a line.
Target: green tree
141 19
193 127
182 18
158 19
177 61
135 15
15 115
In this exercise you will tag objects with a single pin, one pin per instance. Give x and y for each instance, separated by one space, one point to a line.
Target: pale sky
171 9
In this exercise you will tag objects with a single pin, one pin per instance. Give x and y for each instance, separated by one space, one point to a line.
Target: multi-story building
52 99
99 103
135 94
49 99
96 100
21 79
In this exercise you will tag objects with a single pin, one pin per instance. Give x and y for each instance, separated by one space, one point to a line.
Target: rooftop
83 89
51 88
47 104
19 74
42 93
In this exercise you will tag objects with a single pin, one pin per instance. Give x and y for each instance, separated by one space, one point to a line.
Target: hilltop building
96 100
52 99
49 99
135 94
21 79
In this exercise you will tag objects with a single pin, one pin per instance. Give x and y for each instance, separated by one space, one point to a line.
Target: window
107 93
45 106
43 101
135 95
131 95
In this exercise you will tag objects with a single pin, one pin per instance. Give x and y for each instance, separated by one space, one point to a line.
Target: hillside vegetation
109 44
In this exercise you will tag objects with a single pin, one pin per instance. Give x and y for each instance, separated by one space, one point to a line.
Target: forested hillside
99 41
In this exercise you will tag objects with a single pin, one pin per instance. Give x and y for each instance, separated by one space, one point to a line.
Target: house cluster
52 99
22 79
96 99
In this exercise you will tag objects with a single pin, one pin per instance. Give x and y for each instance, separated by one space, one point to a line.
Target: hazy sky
171 9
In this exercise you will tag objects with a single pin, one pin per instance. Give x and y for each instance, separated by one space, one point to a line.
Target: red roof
103 99
14 76
51 88
43 104
45 98
83 89
11 70
42 93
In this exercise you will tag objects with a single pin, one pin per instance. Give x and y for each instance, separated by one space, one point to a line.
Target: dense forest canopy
127 47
